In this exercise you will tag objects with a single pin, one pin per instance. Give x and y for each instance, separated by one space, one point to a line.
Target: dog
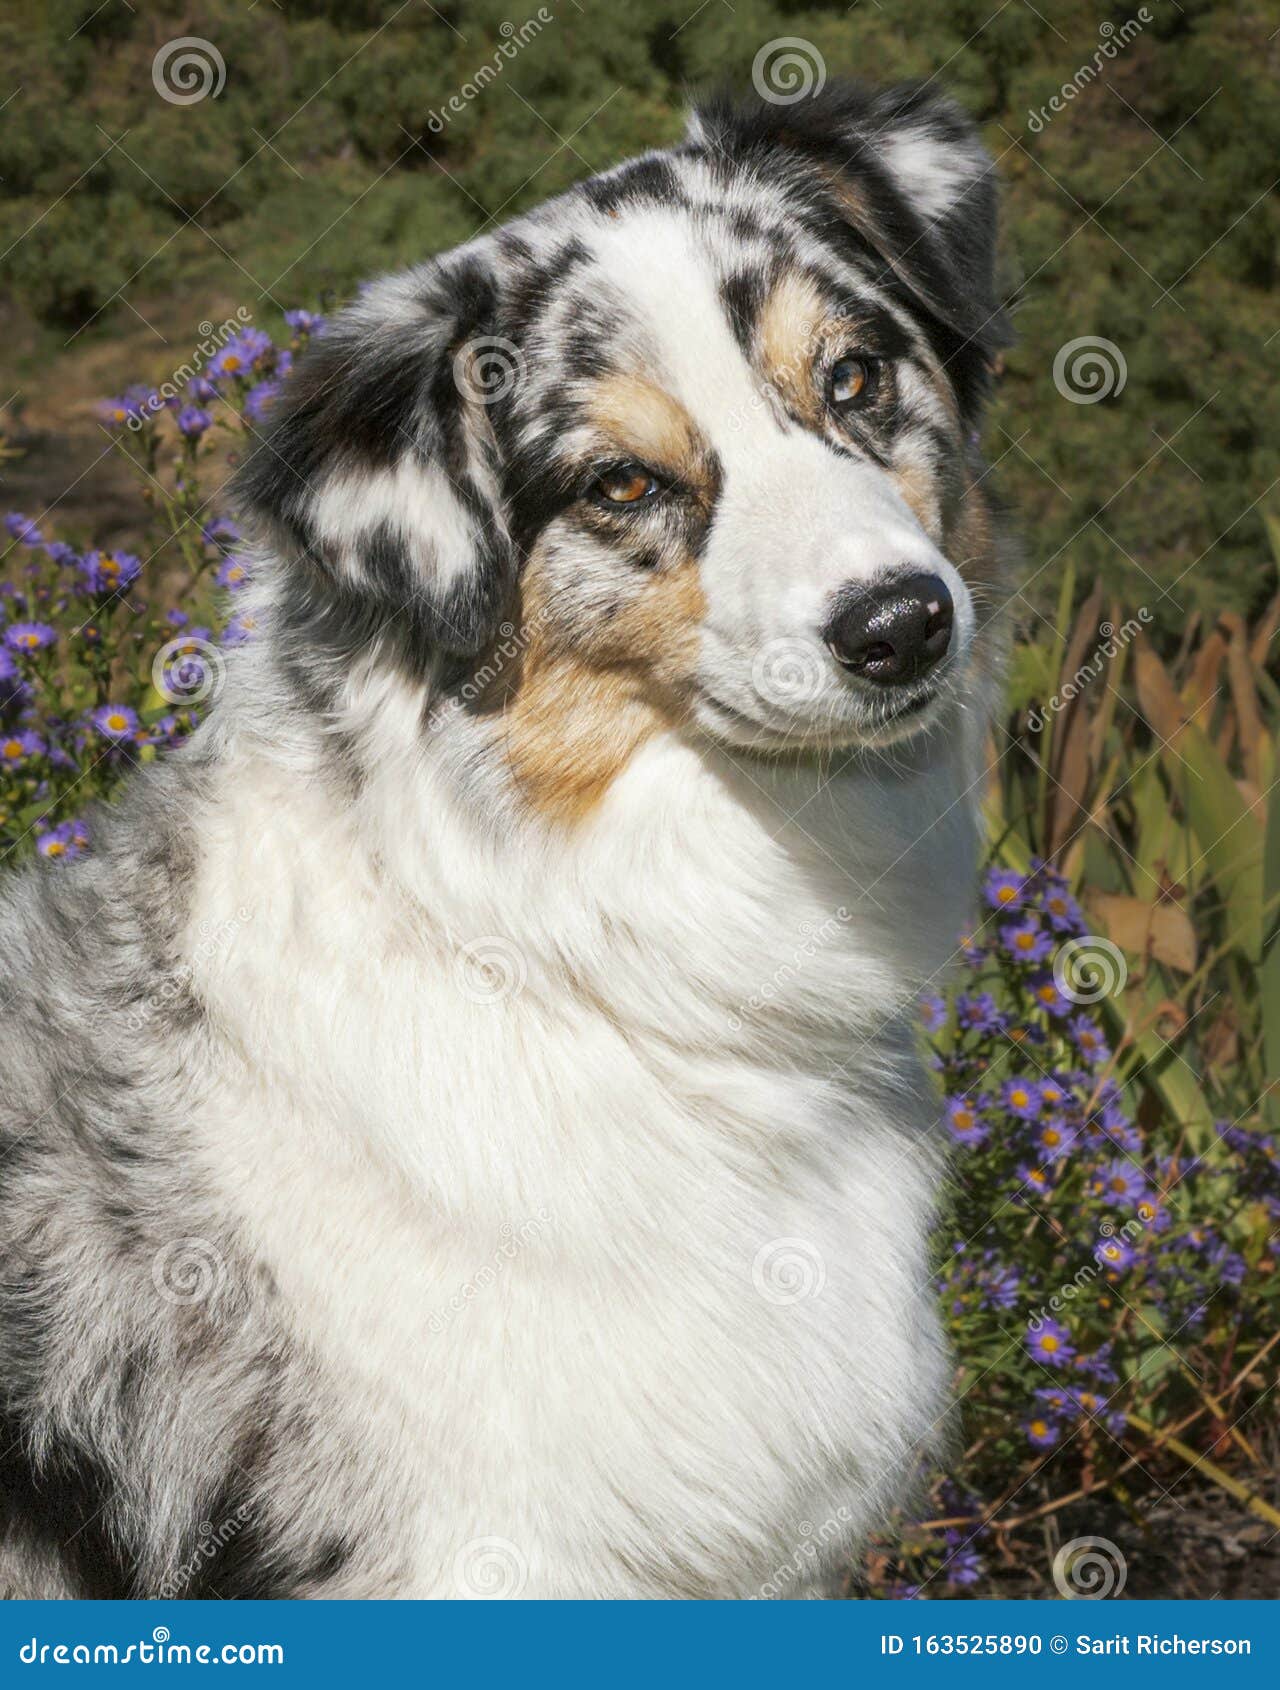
462 1129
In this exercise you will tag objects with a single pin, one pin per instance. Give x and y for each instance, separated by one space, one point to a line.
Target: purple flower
239 630
1044 989
116 722
1039 1179
304 322
241 353
24 531
258 399
1055 1138
1050 1343
68 839
109 572
16 748
29 636
933 1009
1089 1040
1064 913
964 1118
1041 1433
1021 1098
1113 1253
1119 1182
193 422
977 1012
1027 940
1004 889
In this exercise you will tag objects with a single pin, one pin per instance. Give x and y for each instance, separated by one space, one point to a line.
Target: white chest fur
598 1181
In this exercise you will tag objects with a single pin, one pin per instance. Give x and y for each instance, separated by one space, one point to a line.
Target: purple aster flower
17 748
59 552
29 636
1026 940
1054 1401
1063 912
110 572
240 355
1088 1039
1004 889
1050 1343
305 322
933 1009
220 532
1113 1254
233 573
193 421
176 618
200 391
1055 1138
1044 990
965 1564
1002 1287
1041 1433
978 1012
239 630
23 530
964 1118
1038 1179
1228 1264
1120 1182
115 722
1021 1098
68 839
258 399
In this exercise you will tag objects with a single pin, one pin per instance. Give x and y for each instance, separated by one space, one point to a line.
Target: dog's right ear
377 479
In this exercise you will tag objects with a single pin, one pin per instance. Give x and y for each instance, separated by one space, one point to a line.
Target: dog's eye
852 382
624 484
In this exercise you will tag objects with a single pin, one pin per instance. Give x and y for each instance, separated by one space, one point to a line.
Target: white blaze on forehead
657 263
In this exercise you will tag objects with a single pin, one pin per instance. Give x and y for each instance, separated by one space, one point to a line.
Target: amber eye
624 484
853 381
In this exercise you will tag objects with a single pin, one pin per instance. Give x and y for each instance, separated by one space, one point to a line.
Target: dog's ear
904 175
378 479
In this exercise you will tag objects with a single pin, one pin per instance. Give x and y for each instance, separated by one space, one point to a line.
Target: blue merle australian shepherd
461 1131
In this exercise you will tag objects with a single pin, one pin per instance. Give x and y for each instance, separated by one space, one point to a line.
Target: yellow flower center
54 848
1049 1342
1006 894
1052 1137
13 748
1040 1427
117 721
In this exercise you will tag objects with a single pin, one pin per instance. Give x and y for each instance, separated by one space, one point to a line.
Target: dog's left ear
904 174
378 480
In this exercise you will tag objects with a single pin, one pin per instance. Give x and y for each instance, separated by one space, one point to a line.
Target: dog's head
693 445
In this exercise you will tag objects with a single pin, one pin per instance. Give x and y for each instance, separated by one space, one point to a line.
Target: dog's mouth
883 722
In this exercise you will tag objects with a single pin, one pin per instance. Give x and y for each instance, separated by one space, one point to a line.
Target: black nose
892 633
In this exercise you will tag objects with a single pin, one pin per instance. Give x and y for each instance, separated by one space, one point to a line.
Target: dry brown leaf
1162 930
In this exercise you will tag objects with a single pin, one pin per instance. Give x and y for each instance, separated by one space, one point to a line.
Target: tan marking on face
591 691
789 336
918 486
646 421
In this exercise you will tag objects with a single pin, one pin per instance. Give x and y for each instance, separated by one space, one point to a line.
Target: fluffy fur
461 1132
